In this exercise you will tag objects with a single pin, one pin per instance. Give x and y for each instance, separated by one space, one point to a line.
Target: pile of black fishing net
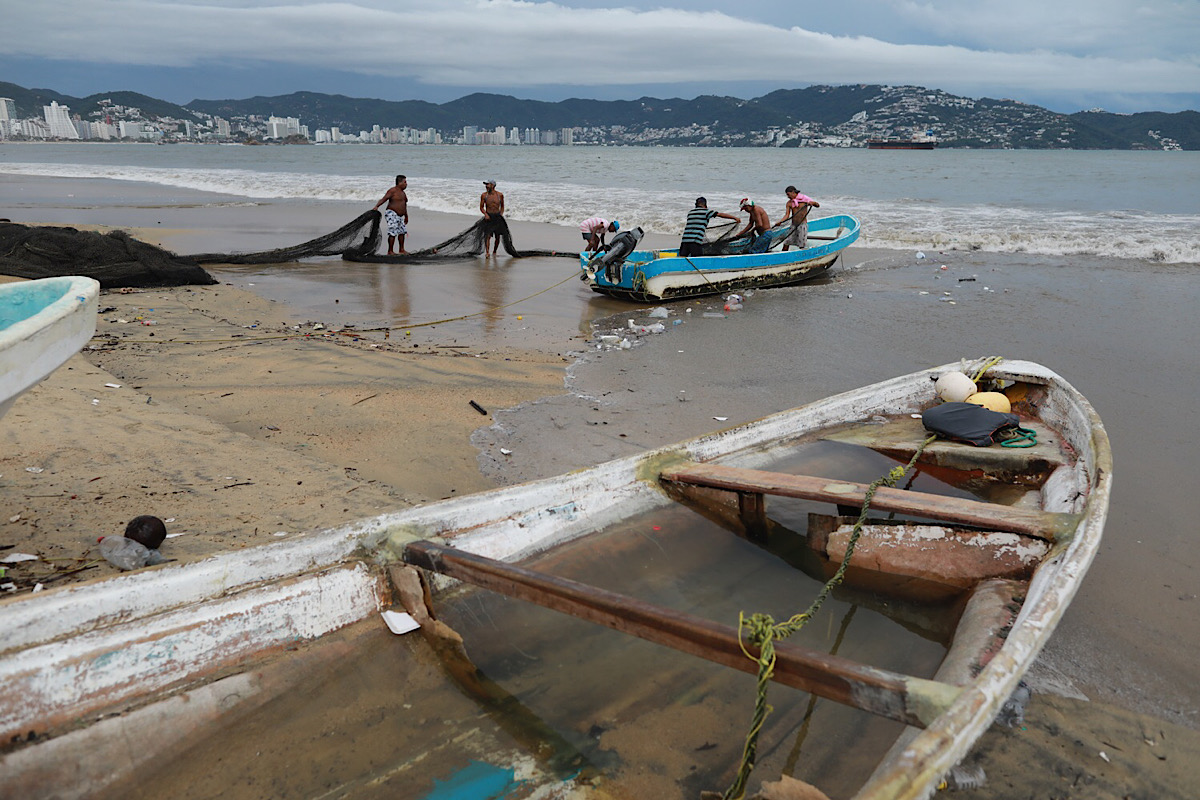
360 240
725 243
114 259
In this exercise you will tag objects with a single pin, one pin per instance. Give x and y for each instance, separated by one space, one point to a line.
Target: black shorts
690 249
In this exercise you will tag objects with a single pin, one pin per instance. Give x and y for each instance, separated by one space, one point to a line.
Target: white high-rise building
8 109
58 120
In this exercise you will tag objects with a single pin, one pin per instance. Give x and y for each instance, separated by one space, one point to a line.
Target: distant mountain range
814 116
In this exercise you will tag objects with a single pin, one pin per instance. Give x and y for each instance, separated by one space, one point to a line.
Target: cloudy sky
1068 55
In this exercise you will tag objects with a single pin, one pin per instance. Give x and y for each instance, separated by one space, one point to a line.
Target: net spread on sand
360 239
115 259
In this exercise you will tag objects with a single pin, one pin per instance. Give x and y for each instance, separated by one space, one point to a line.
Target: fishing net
721 240
114 259
360 239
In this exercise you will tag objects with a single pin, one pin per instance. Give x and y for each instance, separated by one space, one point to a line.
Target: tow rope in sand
761 630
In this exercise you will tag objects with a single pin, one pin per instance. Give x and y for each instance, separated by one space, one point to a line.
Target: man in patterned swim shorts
396 215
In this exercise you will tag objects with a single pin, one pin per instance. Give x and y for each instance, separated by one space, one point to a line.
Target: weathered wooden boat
42 324
647 276
176 641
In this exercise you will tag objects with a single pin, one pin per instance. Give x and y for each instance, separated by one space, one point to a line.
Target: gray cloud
1007 49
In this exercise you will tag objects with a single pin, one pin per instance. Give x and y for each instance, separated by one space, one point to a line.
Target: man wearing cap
694 228
593 230
491 205
760 223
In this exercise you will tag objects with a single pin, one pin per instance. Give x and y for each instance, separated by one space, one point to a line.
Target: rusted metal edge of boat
80 662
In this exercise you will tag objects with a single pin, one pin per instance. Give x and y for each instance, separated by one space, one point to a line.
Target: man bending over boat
697 223
760 222
593 230
491 205
798 206
396 214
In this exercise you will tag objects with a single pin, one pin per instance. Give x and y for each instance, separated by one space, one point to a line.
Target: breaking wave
1161 238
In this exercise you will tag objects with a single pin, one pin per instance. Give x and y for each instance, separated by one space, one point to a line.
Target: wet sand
235 442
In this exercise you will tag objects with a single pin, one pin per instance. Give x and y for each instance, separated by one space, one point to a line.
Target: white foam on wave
890 225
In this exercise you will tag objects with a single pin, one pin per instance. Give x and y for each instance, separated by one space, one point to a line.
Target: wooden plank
1013 519
913 701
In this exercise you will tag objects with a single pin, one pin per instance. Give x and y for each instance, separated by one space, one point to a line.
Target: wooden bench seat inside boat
900 438
927 563
752 484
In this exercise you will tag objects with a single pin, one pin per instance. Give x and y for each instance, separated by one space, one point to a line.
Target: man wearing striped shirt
698 218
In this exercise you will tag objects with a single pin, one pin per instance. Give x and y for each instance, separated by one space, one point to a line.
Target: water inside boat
366 714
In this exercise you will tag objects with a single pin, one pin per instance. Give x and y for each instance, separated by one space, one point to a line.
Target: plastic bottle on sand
127 554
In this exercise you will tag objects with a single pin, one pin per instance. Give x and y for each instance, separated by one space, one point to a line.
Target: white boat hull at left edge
42 324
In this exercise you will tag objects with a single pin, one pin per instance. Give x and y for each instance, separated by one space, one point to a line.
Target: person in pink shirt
593 230
798 206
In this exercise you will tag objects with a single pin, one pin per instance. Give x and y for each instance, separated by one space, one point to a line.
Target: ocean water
1133 205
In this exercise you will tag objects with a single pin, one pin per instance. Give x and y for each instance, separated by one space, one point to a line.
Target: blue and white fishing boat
649 276
42 324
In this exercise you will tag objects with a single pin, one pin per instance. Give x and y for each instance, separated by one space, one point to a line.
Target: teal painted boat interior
476 781
20 301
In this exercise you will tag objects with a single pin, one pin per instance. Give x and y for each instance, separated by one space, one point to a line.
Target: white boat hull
42 324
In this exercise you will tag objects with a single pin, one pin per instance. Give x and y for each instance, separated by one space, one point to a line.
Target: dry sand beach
261 407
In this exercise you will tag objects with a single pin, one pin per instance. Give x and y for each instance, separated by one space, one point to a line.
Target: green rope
763 631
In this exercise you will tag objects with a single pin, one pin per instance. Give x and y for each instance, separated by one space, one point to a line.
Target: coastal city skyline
1067 57
822 116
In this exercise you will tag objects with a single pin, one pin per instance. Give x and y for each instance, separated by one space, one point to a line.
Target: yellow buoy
993 400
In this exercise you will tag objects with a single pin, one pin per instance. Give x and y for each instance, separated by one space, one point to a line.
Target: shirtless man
760 223
396 214
798 206
491 205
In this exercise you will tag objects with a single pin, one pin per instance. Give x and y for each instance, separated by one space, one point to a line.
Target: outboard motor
614 254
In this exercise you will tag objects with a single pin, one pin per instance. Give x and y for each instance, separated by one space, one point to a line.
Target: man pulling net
359 240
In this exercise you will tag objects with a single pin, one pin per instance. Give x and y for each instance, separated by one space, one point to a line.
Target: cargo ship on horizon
901 144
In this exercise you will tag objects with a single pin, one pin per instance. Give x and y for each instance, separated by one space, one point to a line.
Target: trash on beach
113 385
920 255
399 623
34 470
657 327
733 302
128 554
478 407
720 419
17 558
504 451
965 280
714 315
659 313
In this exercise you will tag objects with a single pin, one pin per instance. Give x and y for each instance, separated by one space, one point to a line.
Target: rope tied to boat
761 631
